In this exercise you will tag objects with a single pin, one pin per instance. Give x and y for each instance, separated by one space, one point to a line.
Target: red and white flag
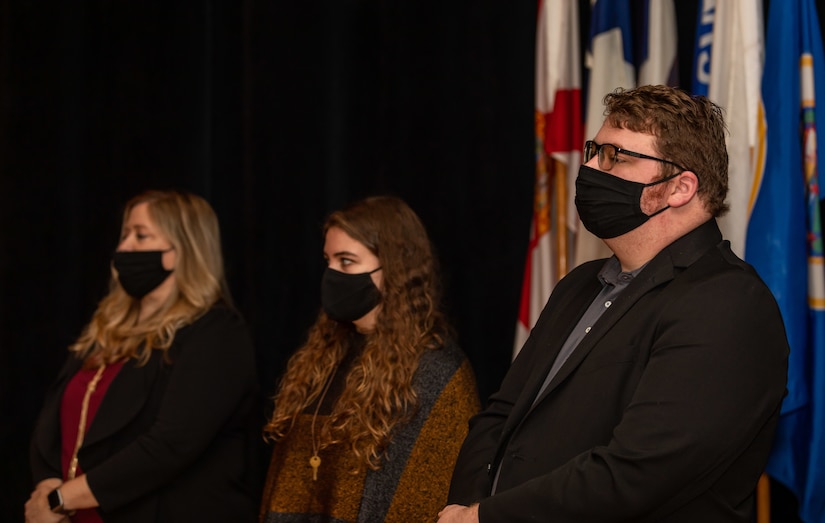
558 156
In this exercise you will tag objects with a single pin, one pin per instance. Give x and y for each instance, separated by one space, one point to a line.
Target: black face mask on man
348 297
610 206
140 272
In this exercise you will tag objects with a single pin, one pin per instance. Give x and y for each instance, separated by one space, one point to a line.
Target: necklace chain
81 427
315 460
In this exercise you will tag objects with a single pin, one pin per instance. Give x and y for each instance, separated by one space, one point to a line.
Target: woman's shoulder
447 353
438 366
219 313
446 386
218 321
219 331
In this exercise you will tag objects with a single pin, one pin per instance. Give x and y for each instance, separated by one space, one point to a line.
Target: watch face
55 501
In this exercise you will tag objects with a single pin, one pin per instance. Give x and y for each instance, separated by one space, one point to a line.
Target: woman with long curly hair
372 409
152 417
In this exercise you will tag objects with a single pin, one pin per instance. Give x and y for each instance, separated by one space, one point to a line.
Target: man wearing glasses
650 387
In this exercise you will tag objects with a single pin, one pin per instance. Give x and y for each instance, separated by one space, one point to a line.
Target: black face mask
140 272
610 206
347 297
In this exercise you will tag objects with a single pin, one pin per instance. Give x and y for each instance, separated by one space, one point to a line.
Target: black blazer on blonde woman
173 439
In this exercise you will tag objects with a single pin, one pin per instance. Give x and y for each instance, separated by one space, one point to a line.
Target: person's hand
37 507
48 484
458 514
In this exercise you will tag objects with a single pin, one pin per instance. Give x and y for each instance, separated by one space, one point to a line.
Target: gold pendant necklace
81 427
315 460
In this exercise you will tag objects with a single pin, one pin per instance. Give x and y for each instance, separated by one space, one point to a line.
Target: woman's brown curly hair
378 394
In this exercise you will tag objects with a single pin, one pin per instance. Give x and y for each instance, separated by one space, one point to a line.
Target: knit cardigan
414 477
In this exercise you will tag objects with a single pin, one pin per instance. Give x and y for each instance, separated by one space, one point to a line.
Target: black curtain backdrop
278 113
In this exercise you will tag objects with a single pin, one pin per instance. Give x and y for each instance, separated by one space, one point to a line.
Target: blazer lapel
124 399
46 438
661 269
550 338
638 288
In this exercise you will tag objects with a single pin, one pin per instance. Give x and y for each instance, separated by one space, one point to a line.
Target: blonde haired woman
373 408
149 419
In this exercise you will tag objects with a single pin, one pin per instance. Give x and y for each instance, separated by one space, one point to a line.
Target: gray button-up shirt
614 281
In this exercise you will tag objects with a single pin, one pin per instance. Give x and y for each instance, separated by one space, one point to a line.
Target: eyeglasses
608 153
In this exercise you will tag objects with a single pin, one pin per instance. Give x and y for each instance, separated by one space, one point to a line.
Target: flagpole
763 499
560 193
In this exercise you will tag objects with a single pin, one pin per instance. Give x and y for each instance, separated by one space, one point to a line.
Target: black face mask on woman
347 297
140 272
610 206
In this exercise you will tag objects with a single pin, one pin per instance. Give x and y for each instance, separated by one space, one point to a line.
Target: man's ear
683 189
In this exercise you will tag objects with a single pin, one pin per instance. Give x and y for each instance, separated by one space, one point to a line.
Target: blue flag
632 42
609 58
784 241
704 43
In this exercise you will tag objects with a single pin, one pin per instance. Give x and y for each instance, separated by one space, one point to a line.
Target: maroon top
70 419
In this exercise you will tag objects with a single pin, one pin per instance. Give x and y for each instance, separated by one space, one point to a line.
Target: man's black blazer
664 412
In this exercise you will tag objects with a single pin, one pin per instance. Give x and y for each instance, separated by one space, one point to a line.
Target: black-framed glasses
608 153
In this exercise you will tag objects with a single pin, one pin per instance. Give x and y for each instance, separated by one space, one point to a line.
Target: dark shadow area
277 113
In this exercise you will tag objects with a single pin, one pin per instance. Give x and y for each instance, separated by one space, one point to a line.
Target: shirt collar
612 274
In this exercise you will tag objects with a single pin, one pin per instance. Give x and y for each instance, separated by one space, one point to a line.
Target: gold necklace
81 427
315 460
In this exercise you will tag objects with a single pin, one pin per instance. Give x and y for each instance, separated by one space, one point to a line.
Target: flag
609 61
735 73
656 54
558 155
613 60
704 47
784 241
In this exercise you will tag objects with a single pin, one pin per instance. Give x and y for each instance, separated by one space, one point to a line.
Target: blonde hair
191 226
378 394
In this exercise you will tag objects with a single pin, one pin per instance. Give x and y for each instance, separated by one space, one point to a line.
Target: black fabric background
278 113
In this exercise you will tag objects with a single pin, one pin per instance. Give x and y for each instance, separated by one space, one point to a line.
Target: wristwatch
56 503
